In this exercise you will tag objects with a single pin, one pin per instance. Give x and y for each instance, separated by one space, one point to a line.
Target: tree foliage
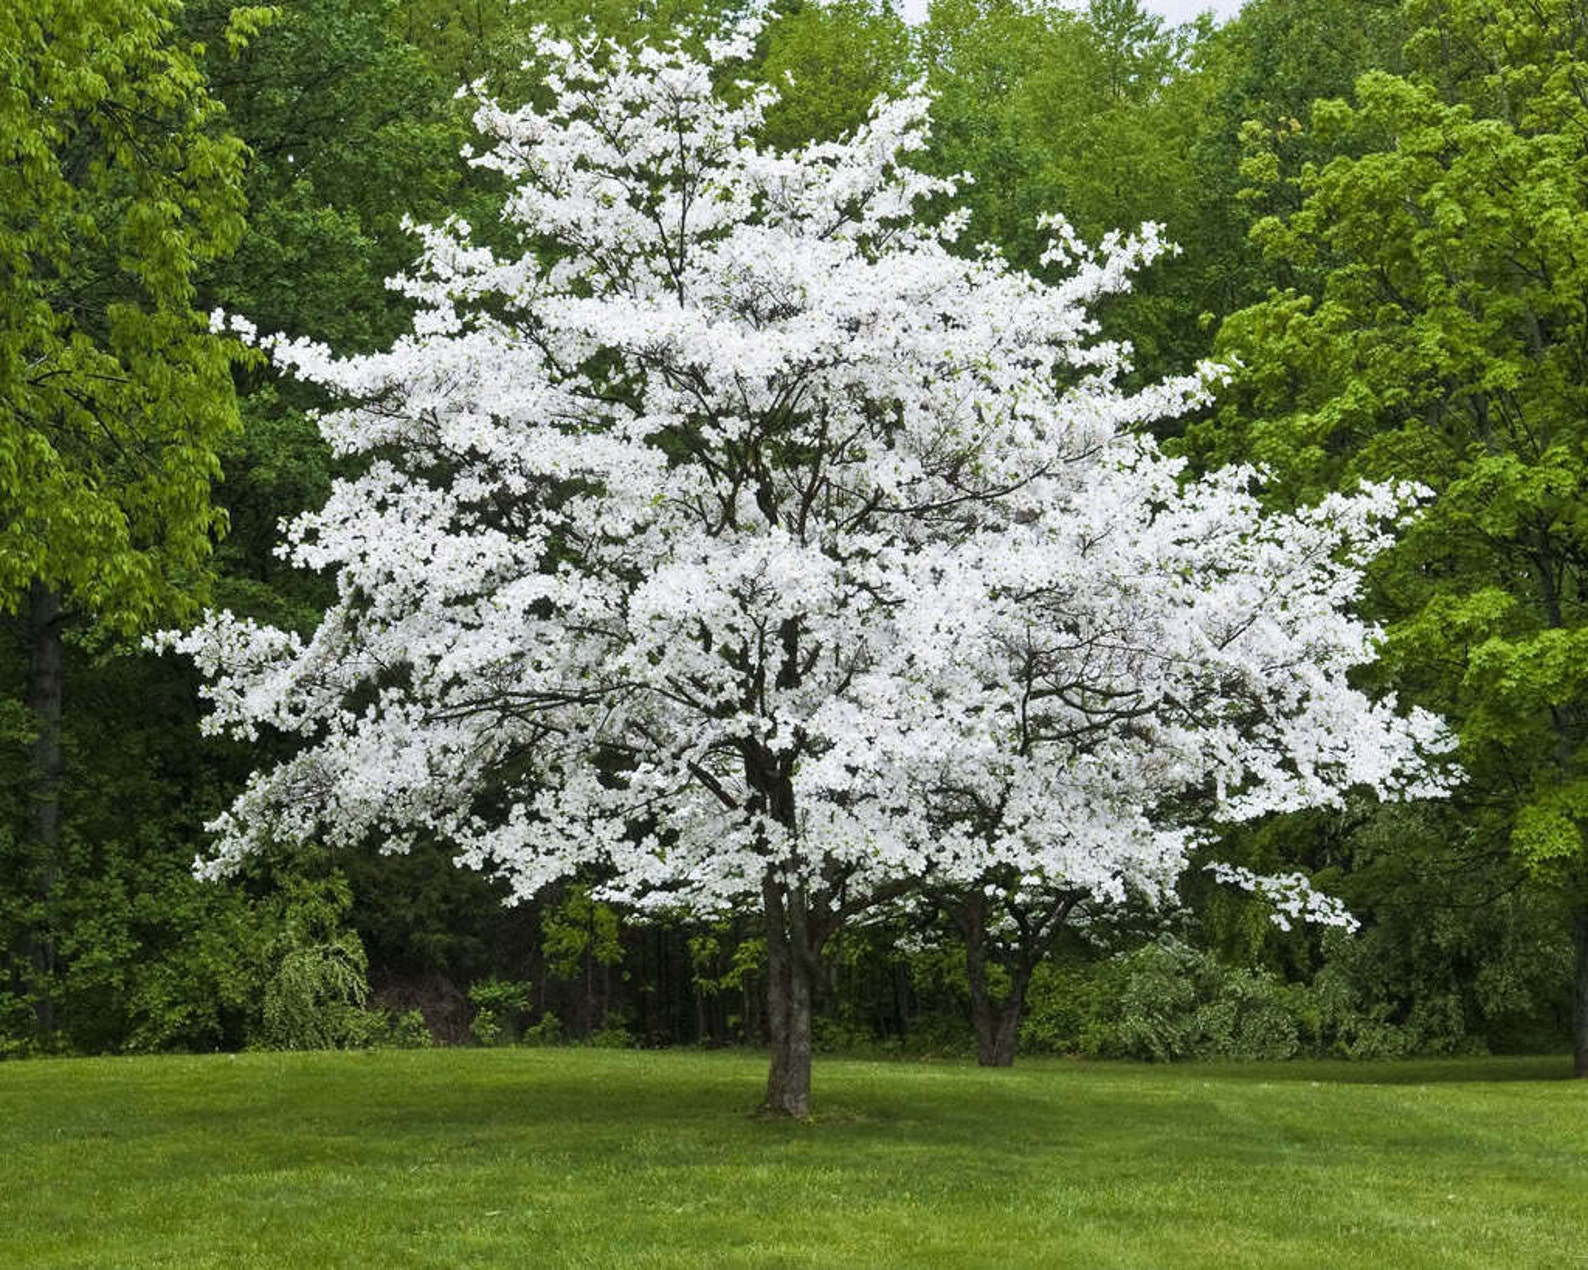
738 539
1436 332
119 185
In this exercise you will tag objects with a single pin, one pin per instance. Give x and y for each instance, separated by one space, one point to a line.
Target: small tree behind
735 539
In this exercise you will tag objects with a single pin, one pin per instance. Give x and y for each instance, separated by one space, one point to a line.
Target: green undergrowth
536 1157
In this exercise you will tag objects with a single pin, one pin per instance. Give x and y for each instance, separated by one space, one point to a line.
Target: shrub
611 1036
1064 1006
500 1007
406 1030
547 1032
316 998
1163 1002
1179 1002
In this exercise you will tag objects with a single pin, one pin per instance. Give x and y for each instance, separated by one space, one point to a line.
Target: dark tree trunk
44 694
792 957
1580 999
997 1019
587 1008
997 1026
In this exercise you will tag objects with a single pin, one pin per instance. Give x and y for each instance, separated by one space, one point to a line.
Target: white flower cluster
734 526
1291 895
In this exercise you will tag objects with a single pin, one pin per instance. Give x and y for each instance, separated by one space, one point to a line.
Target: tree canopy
739 539
119 185
1436 332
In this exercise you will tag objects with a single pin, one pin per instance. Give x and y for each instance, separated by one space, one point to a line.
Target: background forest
1381 210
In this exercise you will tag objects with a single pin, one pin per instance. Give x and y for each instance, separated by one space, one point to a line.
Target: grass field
607 1158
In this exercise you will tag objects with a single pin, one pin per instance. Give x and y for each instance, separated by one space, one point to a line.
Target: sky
1184 10
1173 11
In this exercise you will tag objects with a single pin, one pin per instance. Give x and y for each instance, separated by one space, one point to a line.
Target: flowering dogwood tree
733 537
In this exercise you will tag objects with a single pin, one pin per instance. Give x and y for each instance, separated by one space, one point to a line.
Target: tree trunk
44 694
997 1026
791 967
997 1019
1579 919
587 1010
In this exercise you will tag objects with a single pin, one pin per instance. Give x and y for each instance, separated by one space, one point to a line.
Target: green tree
1435 332
829 62
581 941
350 128
1247 97
1090 113
119 184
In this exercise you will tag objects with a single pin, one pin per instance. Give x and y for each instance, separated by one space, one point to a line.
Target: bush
1168 1001
547 1032
840 1035
1164 1002
405 1030
611 1036
316 998
500 1008
1178 1002
1359 1014
1064 1006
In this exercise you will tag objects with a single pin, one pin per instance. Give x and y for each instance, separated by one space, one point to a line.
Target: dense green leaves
829 62
118 185
1432 328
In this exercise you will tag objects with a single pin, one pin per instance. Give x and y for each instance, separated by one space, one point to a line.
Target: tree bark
997 1027
44 696
587 1009
1579 919
997 1019
791 972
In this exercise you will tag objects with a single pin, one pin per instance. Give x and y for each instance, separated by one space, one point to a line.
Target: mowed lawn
606 1158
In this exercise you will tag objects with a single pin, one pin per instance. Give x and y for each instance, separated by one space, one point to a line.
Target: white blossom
732 524
1291 896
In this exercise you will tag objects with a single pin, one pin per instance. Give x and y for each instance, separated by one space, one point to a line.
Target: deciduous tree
1437 331
735 538
118 182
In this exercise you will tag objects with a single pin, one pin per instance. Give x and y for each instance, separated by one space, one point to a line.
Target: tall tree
1265 70
1093 112
829 62
736 538
119 184
1436 332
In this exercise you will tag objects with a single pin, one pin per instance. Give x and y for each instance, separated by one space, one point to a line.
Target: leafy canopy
117 185
1437 332
736 536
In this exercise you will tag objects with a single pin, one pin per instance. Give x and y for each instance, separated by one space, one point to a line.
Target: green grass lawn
607 1158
